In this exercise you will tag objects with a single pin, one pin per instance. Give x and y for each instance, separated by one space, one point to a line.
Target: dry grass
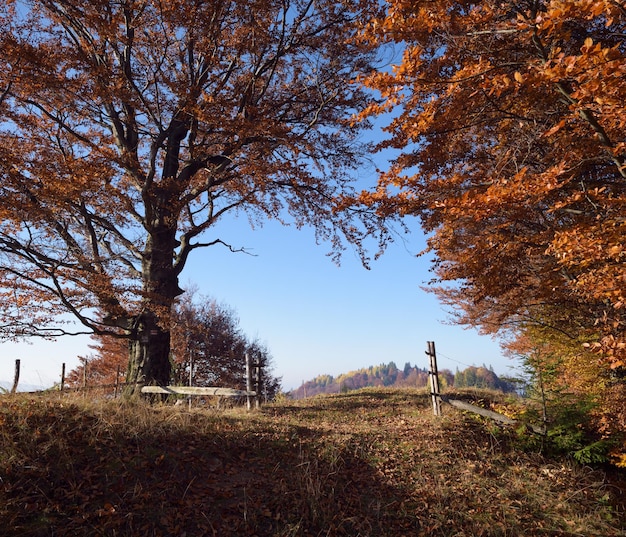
367 463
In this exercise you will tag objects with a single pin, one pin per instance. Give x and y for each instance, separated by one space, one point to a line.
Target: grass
368 463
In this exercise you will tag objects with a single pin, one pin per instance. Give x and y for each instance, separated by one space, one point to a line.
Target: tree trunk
149 354
149 344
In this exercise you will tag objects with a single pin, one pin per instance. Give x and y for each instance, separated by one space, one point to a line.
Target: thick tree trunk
149 344
149 354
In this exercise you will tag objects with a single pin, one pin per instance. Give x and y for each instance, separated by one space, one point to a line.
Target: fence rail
197 390
254 378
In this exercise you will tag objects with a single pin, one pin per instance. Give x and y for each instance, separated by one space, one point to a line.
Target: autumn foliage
129 129
388 375
509 119
105 367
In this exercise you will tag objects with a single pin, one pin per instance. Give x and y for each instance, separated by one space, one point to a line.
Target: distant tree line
482 377
409 376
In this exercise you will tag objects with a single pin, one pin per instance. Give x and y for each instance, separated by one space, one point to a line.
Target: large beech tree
510 119
128 128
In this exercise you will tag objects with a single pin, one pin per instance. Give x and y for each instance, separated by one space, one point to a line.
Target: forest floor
369 463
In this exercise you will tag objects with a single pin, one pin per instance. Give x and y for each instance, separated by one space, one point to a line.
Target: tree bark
149 344
148 354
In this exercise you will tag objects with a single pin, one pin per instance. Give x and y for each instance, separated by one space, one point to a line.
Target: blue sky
318 318
315 317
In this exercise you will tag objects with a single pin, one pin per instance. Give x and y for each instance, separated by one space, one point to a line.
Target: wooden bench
205 391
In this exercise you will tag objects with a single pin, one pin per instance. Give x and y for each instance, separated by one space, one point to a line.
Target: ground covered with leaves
366 463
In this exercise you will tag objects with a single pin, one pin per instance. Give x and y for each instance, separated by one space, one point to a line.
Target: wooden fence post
117 382
191 377
248 380
434 379
16 377
258 382
84 373
62 377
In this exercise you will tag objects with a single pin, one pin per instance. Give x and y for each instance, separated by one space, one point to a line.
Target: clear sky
318 318
315 317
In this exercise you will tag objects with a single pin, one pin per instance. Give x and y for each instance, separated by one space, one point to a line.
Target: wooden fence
438 399
253 389
252 393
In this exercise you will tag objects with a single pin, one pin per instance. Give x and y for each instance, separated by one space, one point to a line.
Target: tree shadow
263 481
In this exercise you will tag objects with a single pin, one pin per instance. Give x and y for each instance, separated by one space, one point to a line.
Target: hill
388 375
367 463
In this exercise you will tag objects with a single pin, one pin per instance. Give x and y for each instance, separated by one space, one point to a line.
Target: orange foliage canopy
510 120
128 129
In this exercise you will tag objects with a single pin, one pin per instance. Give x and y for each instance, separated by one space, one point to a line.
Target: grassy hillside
366 463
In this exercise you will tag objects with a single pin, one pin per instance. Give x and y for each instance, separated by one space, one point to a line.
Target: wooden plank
462 405
479 410
195 390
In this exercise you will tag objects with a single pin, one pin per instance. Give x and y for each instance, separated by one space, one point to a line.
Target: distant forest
408 376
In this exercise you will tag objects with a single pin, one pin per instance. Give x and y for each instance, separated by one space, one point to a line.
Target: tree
105 367
205 336
208 343
459 379
129 128
510 121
